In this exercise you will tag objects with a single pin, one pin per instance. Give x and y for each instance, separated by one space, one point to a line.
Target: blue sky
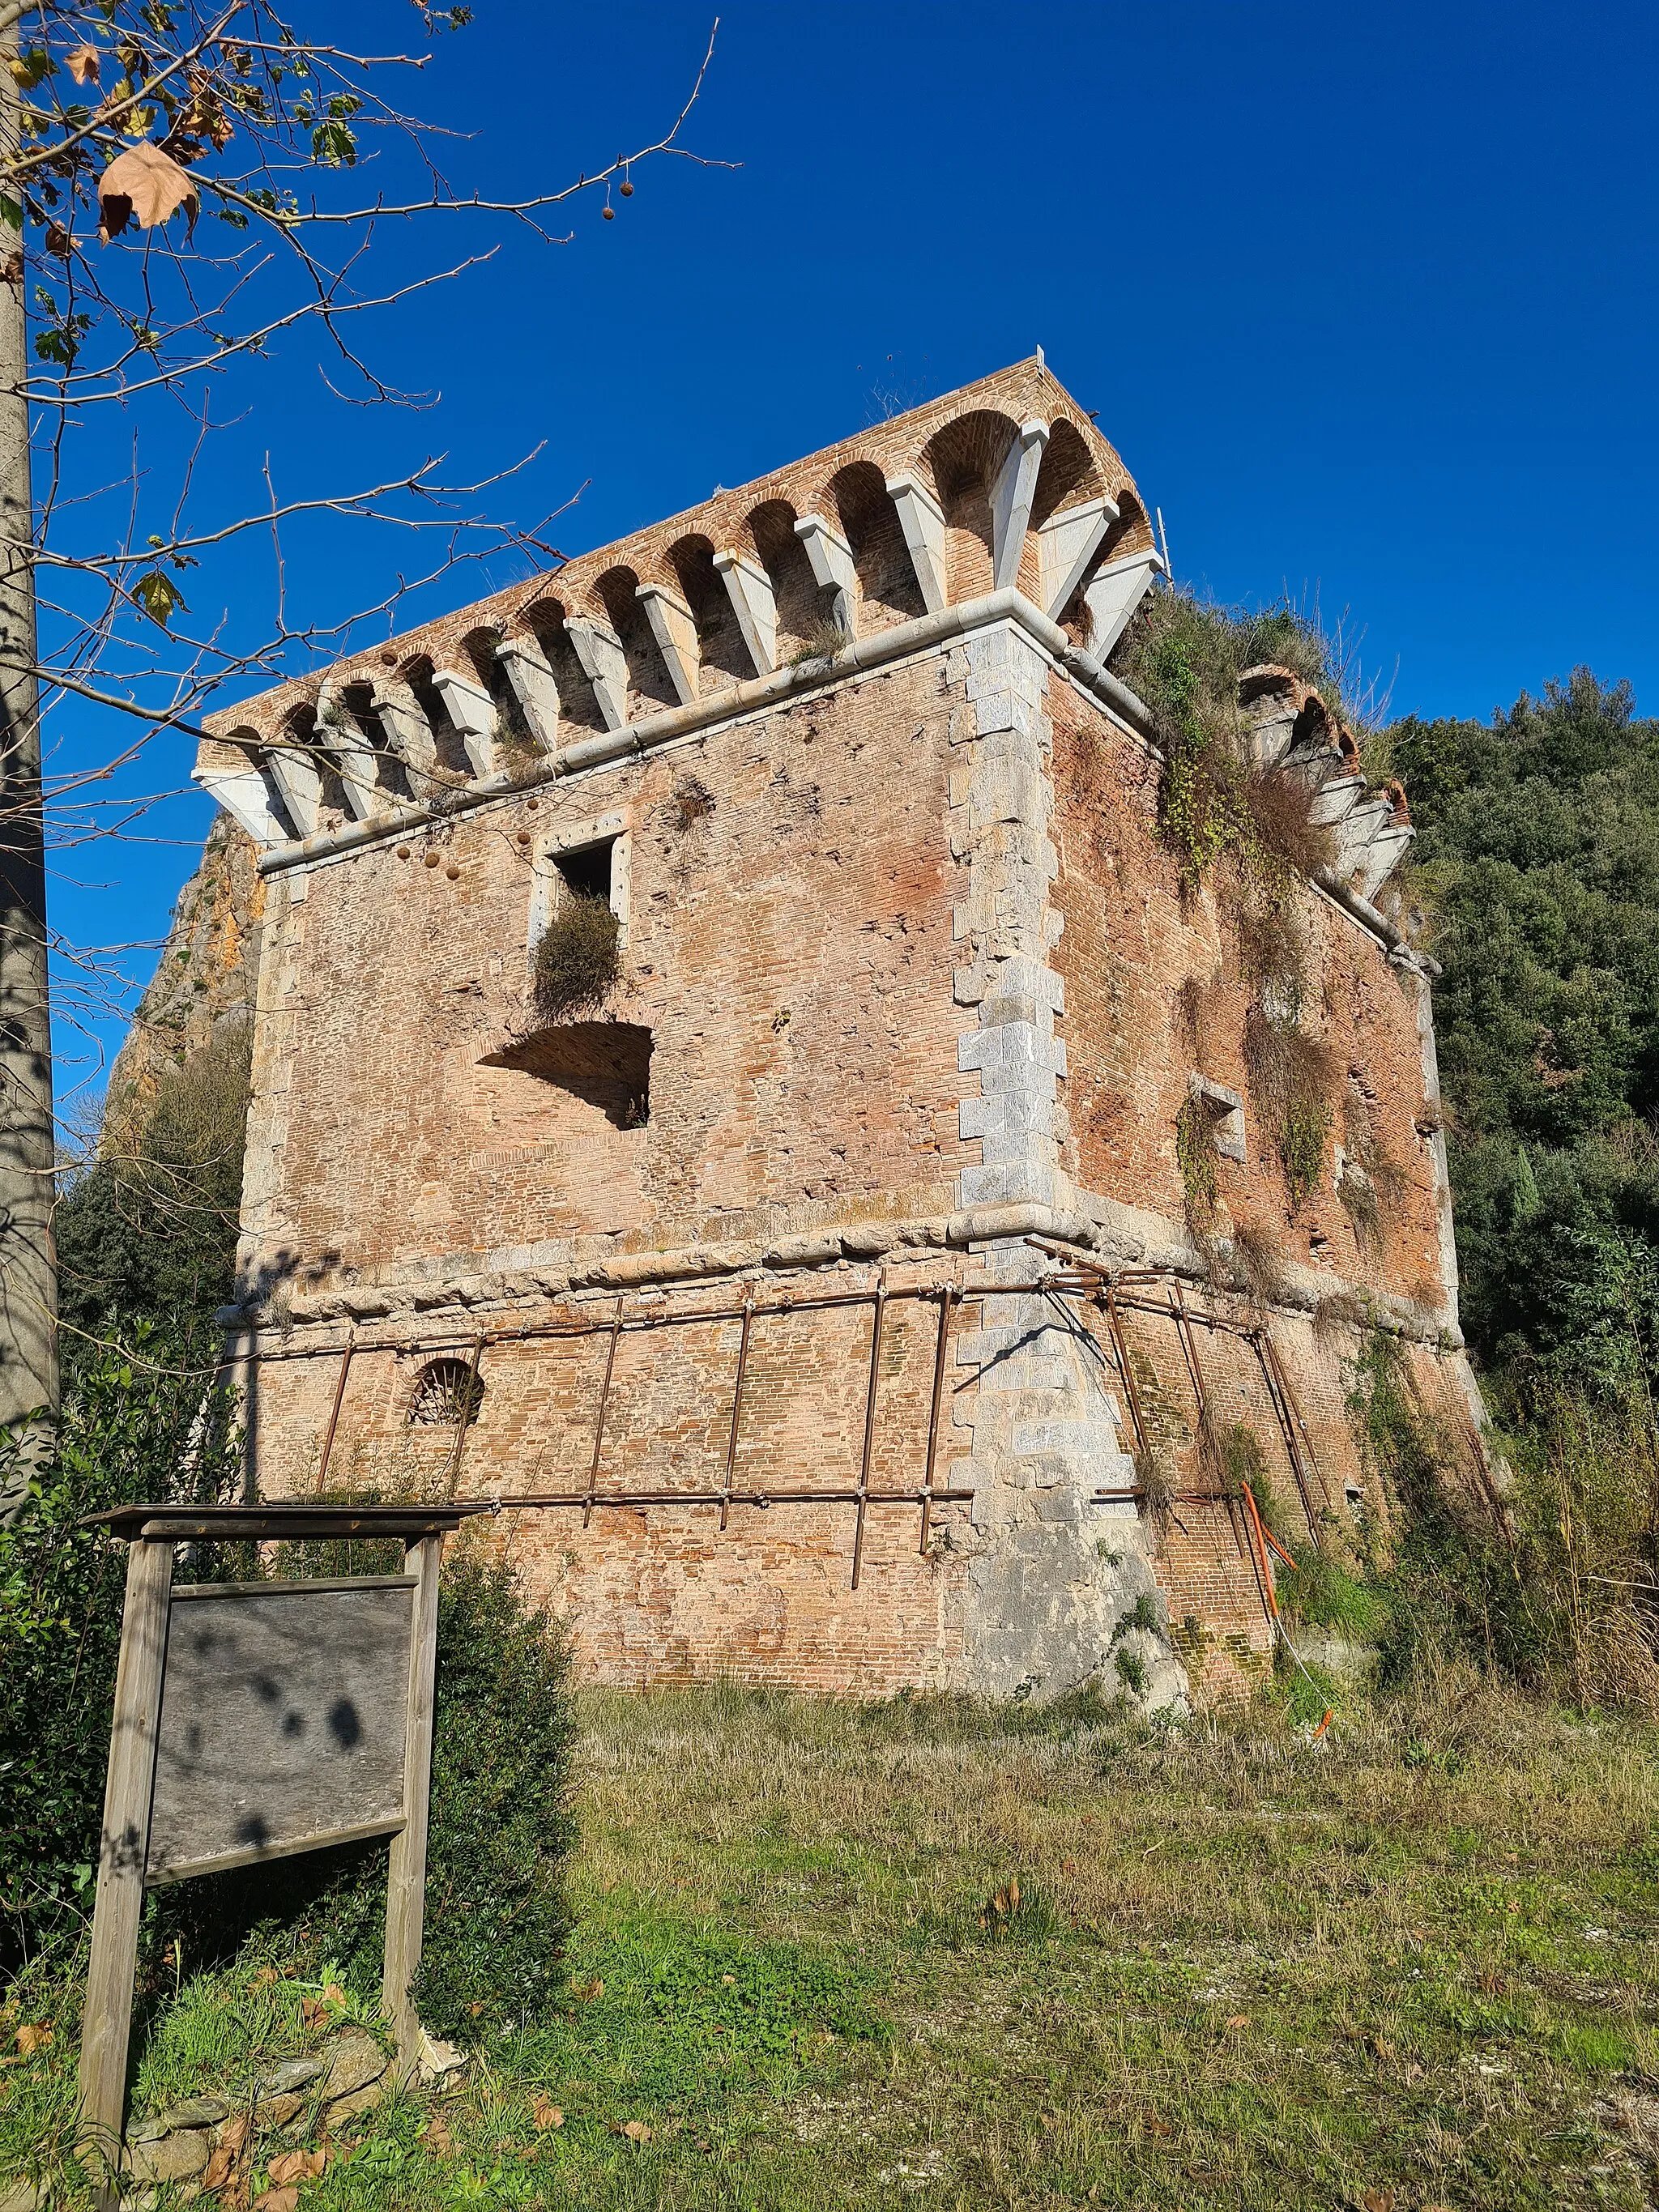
1365 296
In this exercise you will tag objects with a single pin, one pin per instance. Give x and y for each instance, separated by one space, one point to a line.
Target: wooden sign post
254 1720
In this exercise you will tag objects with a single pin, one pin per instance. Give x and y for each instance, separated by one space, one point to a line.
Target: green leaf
159 596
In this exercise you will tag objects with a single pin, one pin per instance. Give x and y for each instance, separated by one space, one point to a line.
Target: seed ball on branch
609 214
626 189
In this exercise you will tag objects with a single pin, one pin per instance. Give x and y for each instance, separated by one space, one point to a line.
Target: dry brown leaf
32 2039
83 64
635 2130
546 2114
298 2166
144 185
1068 1866
227 2154
1378 2200
276 2199
591 1989
315 2011
436 2137
1238 2019
1154 2126
264 1978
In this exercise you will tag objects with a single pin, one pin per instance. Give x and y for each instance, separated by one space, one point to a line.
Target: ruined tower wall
923 1004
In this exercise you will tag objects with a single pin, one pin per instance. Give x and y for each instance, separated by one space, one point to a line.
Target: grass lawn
1410 1966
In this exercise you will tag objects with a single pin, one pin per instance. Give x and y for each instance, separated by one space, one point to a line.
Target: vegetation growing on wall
1184 659
1291 1080
576 961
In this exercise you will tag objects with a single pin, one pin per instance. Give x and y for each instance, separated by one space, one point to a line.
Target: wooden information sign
253 1720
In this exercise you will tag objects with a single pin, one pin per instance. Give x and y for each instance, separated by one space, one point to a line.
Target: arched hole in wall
452 760
963 459
650 687
577 704
806 611
511 731
723 657
607 1065
1067 476
869 521
447 1394
302 731
390 772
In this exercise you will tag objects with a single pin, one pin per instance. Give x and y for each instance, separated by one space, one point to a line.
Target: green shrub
576 961
127 1432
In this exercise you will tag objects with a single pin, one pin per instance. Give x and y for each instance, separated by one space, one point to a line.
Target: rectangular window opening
588 872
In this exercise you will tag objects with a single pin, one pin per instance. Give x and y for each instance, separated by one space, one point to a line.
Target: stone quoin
812 1216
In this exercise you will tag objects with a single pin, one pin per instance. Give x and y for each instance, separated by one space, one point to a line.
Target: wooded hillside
1538 854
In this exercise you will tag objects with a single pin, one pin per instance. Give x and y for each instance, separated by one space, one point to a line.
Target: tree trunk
29 1274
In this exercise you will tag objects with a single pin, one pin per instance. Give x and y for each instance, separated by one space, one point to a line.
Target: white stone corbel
1335 799
1113 594
599 651
534 686
750 590
1372 818
1066 543
922 521
1383 855
408 731
1010 502
245 797
297 779
338 729
472 711
676 633
833 568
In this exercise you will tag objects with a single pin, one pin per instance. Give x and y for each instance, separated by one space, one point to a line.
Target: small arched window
447 1394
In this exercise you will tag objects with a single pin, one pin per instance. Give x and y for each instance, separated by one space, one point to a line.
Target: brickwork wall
661 1592
789 946
1132 941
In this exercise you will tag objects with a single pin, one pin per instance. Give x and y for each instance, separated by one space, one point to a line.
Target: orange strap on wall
1266 1566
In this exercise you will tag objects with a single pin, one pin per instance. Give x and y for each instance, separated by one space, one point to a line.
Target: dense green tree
1538 848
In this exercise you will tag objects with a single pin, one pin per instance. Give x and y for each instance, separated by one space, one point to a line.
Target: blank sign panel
283 1707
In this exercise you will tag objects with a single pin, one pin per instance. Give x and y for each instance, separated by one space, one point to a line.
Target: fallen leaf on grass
314 2011
436 2137
635 2130
590 1989
264 1978
276 2199
545 2114
32 2039
298 2166
1378 2200
1238 2019
1154 2126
